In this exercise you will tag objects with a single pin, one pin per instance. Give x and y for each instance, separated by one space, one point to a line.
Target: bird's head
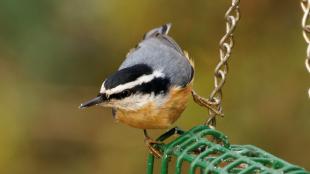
132 88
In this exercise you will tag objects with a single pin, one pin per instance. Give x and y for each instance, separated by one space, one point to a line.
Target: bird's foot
205 103
151 144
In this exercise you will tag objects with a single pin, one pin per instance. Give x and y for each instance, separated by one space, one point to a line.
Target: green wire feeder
208 151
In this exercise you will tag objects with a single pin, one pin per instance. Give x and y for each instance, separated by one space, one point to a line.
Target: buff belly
154 117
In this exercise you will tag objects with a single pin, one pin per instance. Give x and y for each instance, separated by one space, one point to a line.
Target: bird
152 86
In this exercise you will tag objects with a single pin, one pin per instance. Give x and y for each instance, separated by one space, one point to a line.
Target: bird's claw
151 146
205 103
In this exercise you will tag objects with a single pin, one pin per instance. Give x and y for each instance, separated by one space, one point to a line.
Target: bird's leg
150 144
205 103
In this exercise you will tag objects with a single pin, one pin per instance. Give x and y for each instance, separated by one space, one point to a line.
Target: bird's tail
164 30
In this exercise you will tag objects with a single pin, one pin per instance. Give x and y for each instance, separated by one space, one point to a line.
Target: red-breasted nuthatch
151 88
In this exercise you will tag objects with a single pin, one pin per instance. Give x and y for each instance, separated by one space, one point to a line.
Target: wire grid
208 151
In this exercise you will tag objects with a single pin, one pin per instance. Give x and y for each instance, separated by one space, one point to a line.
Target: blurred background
55 55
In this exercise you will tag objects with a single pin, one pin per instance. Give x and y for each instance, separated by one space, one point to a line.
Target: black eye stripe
122 94
156 86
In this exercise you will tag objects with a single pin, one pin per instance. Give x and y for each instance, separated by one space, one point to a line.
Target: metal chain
305 23
226 44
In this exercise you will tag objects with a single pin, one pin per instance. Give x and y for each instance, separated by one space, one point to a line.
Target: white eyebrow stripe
129 85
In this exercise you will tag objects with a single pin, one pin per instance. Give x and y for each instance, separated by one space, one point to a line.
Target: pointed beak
95 101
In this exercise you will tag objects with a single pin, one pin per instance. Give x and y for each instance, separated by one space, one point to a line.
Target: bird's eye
126 93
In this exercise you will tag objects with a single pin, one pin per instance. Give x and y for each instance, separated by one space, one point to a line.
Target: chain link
305 23
226 44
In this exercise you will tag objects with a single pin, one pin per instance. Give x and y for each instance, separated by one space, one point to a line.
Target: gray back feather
161 52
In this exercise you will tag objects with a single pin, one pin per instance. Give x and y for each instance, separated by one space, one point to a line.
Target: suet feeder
207 151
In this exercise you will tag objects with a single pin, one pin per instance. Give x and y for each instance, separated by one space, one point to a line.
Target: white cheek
138 101
159 99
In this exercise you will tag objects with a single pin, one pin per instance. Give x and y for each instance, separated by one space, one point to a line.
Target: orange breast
154 117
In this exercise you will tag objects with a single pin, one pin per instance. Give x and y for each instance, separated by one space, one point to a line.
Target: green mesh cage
207 151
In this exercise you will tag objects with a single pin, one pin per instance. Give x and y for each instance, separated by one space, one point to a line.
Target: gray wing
161 52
